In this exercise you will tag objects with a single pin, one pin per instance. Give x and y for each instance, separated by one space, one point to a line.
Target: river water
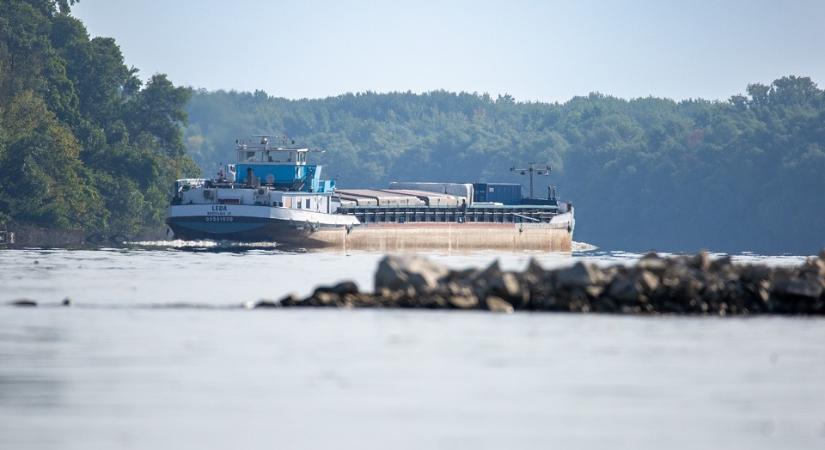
156 354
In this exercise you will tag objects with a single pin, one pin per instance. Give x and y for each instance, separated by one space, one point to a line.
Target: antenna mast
532 169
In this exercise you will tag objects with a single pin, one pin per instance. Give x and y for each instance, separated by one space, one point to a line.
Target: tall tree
82 146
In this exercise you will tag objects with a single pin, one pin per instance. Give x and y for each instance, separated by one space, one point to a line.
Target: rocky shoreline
689 285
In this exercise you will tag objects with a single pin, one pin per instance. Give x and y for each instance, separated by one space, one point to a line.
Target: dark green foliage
744 174
82 146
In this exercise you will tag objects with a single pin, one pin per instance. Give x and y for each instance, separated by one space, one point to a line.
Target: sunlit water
156 354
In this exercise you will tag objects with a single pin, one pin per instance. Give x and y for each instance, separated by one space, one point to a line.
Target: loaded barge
271 193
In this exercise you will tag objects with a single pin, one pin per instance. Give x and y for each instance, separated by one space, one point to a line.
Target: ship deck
487 213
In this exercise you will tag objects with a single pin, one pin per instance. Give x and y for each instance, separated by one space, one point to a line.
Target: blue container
506 193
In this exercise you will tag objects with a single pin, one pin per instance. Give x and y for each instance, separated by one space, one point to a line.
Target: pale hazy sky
534 50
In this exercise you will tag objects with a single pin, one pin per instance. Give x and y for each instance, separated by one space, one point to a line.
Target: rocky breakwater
695 285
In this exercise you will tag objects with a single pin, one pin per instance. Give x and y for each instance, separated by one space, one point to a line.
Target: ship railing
526 217
377 214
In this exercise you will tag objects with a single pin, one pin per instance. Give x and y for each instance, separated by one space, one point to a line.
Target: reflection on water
198 373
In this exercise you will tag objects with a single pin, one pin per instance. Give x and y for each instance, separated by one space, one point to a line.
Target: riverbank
691 285
33 236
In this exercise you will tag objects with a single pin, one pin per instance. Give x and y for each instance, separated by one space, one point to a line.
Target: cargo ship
273 194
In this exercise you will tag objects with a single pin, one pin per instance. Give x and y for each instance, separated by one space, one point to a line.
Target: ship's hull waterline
305 229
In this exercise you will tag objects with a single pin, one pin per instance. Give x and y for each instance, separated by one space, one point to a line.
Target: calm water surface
156 355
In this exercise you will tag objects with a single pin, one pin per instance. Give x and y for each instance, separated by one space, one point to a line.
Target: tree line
84 144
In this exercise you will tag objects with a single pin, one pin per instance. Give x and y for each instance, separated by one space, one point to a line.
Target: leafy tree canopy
83 145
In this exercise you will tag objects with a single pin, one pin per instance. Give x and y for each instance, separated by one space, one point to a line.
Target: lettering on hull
219 219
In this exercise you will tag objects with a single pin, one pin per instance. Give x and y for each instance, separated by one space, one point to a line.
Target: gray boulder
701 261
534 268
652 262
797 287
580 275
398 272
341 289
507 286
756 272
498 304
633 287
463 301
266 304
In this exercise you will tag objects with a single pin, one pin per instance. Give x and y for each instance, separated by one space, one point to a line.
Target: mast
532 169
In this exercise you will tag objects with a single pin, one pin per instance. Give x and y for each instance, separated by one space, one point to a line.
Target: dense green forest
746 174
84 144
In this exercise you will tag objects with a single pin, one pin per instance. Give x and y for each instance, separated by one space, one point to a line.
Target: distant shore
690 285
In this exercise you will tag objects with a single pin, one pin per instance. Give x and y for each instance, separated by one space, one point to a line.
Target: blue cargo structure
281 168
504 193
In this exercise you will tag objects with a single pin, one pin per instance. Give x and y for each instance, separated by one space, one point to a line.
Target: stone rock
648 281
289 300
266 304
23 302
721 264
822 254
398 272
345 287
608 273
633 286
577 301
325 299
624 288
507 286
454 288
652 262
362 300
594 291
463 302
763 291
498 304
814 267
756 272
701 261
429 301
796 287
604 304
655 285
534 268
580 275
462 275
340 289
